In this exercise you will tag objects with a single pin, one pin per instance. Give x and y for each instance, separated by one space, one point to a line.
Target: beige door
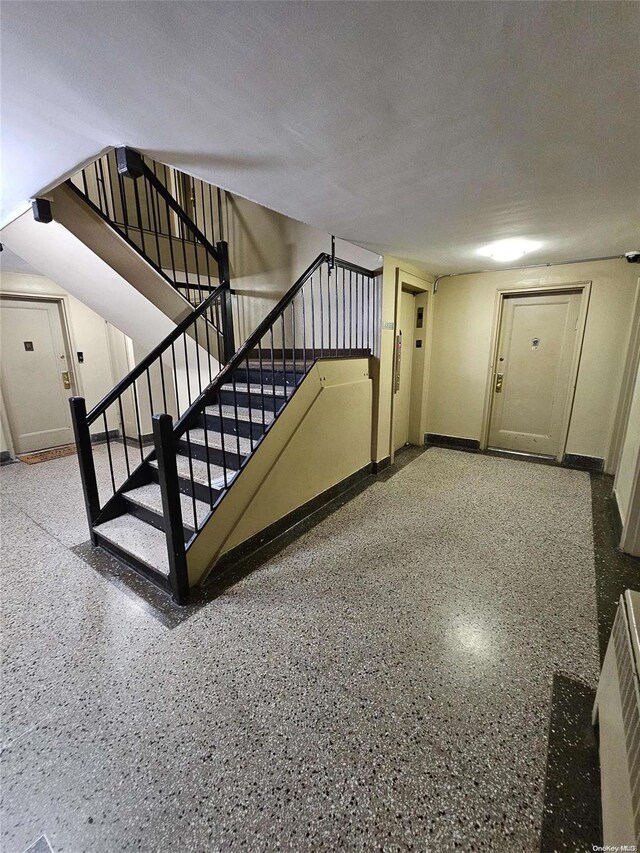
405 340
33 369
532 374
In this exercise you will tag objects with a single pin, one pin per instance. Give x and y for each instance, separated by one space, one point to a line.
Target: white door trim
501 293
415 284
69 343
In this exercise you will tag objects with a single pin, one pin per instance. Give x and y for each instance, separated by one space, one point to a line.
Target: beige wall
268 252
464 319
297 460
89 333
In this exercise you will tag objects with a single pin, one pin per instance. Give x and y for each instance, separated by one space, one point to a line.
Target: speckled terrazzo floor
382 683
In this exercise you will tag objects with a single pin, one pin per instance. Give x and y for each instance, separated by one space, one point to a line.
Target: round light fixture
509 250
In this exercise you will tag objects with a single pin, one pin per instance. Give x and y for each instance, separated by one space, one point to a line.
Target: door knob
499 380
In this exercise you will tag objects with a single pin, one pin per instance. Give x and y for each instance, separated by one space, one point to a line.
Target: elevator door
405 342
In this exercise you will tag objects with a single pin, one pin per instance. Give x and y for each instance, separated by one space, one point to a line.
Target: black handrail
255 337
134 198
155 353
173 204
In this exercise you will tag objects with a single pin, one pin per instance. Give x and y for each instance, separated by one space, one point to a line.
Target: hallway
383 682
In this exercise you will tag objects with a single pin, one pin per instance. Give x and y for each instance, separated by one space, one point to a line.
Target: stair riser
269 377
153 518
201 491
133 563
229 458
245 429
252 401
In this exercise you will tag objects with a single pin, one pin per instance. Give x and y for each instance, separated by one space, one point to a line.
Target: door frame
69 344
501 294
417 285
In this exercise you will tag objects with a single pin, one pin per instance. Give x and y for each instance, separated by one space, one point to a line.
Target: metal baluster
101 183
135 402
313 320
329 306
344 313
186 364
335 278
151 209
193 484
321 317
150 392
164 390
350 312
235 409
124 436
222 433
106 433
139 216
284 357
123 201
175 379
273 371
264 419
195 333
170 239
304 331
293 343
249 399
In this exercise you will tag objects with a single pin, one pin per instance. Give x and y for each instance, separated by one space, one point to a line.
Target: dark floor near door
415 672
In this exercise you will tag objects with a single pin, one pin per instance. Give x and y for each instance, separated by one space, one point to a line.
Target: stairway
181 427
209 455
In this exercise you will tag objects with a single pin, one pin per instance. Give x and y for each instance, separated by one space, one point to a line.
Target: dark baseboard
98 437
284 525
376 467
6 458
616 517
583 463
453 441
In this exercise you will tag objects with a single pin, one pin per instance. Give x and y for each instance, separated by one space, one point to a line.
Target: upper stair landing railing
172 219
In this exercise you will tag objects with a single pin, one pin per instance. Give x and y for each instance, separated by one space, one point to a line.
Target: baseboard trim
453 441
99 437
376 467
582 463
284 527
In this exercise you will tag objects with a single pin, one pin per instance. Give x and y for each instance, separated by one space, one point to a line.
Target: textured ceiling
424 129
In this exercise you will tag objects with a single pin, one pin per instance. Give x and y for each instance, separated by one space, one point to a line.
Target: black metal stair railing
190 424
332 311
167 381
170 218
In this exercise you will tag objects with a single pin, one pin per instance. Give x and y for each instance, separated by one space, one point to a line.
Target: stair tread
139 539
150 497
267 389
200 471
214 440
243 413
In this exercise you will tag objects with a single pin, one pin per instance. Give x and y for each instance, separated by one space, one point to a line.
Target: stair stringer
322 436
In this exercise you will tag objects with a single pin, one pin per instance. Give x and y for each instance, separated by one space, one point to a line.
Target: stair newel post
165 448
85 461
222 247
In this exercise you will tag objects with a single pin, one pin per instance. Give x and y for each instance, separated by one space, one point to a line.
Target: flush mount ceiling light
509 250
